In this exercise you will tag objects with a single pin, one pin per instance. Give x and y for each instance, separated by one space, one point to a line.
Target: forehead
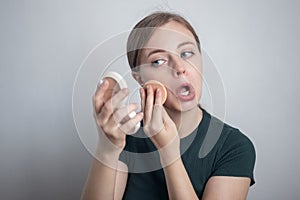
169 35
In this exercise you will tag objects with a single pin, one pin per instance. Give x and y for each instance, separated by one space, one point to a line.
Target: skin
177 66
166 123
112 89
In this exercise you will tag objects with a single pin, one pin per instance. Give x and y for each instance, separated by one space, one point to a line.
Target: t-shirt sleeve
236 157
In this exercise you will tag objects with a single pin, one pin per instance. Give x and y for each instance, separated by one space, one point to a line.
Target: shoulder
234 153
221 136
233 139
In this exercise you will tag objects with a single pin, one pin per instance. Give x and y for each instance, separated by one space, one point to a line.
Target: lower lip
189 97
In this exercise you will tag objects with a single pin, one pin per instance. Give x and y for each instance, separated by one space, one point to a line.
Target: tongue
184 89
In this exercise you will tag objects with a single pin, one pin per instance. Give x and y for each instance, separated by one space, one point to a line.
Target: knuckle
100 123
146 127
129 125
155 128
148 130
124 128
106 130
152 129
117 115
110 135
107 107
113 137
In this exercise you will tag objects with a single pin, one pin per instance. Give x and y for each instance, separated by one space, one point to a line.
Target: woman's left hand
158 126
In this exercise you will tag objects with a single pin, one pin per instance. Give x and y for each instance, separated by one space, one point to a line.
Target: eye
186 54
158 62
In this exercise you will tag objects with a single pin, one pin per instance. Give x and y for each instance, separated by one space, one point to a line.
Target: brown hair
143 30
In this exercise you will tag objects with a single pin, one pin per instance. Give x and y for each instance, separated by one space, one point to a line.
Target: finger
109 107
158 97
121 115
128 117
102 83
116 100
143 97
157 118
129 127
98 100
148 104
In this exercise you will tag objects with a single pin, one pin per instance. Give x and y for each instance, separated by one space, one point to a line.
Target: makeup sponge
156 84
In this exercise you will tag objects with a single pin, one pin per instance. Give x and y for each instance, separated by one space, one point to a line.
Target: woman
169 52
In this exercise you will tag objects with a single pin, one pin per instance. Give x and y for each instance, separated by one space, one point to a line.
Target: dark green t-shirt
213 149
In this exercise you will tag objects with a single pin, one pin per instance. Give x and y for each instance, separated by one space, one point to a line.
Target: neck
187 121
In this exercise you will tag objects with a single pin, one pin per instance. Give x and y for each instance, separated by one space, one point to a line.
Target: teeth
185 93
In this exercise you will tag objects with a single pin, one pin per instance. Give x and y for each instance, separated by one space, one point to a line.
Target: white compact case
122 84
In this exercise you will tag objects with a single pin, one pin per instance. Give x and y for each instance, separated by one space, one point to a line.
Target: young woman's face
172 57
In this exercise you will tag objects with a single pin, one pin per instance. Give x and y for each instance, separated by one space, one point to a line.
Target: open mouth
185 92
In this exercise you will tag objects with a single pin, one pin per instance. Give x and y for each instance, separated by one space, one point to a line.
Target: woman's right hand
112 118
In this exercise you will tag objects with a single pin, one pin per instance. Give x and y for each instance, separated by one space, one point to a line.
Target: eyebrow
185 43
162 50
156 51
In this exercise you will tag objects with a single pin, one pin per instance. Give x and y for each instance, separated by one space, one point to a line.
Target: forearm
101 180
178 182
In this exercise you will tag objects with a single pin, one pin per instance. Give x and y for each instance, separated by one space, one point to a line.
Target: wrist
108 157
169 155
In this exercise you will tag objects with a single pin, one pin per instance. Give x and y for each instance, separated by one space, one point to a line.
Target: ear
137 77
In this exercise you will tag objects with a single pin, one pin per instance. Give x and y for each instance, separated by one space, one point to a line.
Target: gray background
254 44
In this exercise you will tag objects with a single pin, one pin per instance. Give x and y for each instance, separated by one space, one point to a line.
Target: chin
187 106
182 106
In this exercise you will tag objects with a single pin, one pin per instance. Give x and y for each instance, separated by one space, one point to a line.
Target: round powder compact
116 83
156 84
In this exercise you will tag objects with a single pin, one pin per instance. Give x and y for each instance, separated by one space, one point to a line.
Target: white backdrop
254 45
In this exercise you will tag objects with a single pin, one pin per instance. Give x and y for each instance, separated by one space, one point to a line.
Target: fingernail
103 83
141 114
100 83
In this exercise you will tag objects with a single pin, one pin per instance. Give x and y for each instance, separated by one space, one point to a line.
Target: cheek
150 74
145 74
196 69
198 86
197 79
196 61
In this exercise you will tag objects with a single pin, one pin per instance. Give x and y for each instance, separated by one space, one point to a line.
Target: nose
180 71
179 68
